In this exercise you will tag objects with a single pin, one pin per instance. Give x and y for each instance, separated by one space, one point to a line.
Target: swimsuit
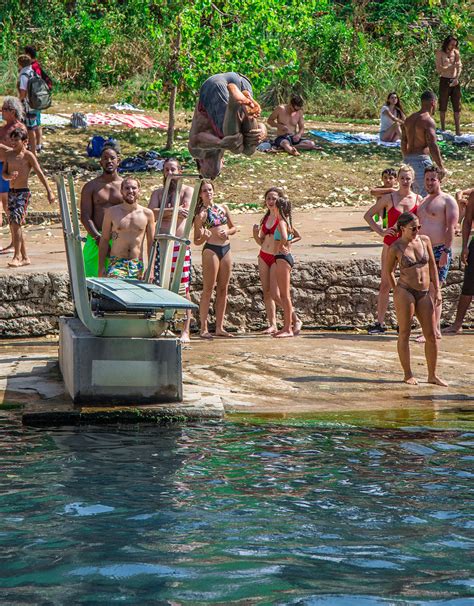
125 268
186 272
392 217
288 258
272 229
216 216
407 263
18 200
218 249
289 138
268 258
4 184
468 283
90 252
214 97
447 91
442 271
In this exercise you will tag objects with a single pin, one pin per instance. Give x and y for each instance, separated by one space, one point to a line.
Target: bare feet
244 98
224 334
434 380
283 334
297 328
410 380
421 338
294 152
452 330
184 338
271 330
254 111
15 262
26 261
206 335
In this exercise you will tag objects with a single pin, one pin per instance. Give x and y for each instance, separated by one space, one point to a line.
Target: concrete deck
315 373
327 233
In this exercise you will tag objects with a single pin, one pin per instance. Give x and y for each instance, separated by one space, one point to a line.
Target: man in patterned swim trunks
438 215
17 166
225 117
127 225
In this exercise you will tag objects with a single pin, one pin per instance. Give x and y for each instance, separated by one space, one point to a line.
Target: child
17 166
390 184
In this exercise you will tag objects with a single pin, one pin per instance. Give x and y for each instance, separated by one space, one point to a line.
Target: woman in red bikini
212 227
394 203
413 254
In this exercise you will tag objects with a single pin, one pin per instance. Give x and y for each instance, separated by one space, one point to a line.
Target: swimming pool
290 512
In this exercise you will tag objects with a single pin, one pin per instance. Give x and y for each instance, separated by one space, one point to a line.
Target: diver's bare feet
206 335
271 330
244 98
26 261
452 330
410 380
224 334
434 380
283 334
15 262
254 110
297 328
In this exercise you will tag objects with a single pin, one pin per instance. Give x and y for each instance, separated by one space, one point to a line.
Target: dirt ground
336 176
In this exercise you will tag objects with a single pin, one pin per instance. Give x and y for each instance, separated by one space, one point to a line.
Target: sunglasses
415 228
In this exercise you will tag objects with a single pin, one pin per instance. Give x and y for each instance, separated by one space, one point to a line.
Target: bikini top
216 216
392 218
277 235
272 229
407 262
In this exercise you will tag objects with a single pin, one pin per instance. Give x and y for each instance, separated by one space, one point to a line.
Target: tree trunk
171 118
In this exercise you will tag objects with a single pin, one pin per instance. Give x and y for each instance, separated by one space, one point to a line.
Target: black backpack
38 93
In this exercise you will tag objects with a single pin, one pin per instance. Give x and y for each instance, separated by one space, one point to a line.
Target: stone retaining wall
326 294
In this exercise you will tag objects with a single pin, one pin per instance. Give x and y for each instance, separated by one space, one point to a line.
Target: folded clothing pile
142 162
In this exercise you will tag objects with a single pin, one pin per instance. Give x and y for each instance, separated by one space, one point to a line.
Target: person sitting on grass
414 256
17 166
127 225
391 119
288 119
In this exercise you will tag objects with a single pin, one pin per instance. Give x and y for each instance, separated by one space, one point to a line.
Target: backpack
96 145
78 120
38 93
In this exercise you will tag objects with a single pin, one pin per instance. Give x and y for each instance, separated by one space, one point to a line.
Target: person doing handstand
288 119
127 225
225 117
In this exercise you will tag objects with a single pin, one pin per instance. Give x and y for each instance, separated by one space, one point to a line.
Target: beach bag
96 145
38 93
78 120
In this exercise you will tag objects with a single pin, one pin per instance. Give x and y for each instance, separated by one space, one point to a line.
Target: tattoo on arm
114 235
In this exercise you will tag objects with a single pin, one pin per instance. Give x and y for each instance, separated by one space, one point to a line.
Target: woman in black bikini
212 227
414 256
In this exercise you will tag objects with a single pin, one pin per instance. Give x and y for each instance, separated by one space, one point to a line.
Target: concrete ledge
327 294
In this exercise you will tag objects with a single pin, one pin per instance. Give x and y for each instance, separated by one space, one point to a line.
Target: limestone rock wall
326 294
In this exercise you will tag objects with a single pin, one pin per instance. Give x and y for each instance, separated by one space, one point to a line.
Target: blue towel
341 138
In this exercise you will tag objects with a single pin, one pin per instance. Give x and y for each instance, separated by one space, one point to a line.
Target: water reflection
236 514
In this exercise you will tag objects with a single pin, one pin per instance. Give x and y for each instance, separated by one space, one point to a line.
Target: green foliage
357 48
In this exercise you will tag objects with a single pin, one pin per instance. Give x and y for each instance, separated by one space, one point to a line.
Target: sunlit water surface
236 514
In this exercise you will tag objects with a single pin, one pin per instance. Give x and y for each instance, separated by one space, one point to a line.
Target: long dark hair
446 41
200 205
284 208
279 193
398 104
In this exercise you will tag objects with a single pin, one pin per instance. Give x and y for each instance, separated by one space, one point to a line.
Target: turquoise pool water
300 513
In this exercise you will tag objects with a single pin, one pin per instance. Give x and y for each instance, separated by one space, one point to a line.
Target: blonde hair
406 168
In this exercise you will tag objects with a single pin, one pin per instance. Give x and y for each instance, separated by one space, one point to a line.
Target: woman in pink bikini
212 227
394 203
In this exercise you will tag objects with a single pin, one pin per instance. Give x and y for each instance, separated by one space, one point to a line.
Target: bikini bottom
219 250
416 294
288 258
268 258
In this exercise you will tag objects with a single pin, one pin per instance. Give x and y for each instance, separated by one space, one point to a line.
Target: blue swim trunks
442 271
32 119
4 184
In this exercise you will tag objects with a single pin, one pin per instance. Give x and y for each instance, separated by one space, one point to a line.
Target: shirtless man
288 119
419 141
17 166
225 117
173 167
127 225
467 257
438 215
96 196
